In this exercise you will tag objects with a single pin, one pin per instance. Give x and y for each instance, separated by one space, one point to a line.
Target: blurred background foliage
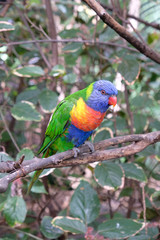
85 202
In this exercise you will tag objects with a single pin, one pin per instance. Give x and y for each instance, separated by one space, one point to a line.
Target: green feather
54 140
34 179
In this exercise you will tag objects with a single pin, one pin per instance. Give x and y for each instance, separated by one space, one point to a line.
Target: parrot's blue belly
77 136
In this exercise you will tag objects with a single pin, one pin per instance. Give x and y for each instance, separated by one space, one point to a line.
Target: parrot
75 118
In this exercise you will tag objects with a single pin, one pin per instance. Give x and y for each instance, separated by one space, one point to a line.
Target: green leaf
25 111
107 35
151 233
129 68
157 96
100 26
38 187
30 95
72 47
120 228
88 78
33 2
102 134
83 16
3 49
3 198
48 230
155 125
6 26
140 122
3 75
48 100
121 123
29 71
68 224
46 172
85 203
134 171
15 210
156 112
5 157
155 198
69 33
10 236
150 150
27 152
153 166
141 101
126 192
57 71
109 175
152 37
71 58
70 78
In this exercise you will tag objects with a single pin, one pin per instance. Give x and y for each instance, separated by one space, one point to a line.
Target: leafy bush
109 200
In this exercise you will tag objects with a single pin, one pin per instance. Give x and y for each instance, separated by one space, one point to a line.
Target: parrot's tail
34 179
37 174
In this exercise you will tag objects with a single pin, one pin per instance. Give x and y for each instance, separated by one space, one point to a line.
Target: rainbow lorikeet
76 117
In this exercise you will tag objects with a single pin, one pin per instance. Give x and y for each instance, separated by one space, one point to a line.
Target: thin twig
144 206
34 38
5 7
129 23
19 162
122 31
91 42
138 34
52 32
19 231
9 132
152 24
130 114
40 29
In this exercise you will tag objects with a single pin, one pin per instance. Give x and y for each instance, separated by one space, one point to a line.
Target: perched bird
76 117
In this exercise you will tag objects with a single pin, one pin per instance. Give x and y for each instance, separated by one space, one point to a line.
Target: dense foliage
109 200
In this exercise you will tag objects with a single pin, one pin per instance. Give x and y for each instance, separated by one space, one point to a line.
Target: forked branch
138 142
122 31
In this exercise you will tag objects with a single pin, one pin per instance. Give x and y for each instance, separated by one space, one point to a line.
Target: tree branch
90 42
106 18
4 10
65 159
9 132
22 15
52 32
152 24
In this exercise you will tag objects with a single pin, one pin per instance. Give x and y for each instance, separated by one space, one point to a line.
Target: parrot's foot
90 145
76 151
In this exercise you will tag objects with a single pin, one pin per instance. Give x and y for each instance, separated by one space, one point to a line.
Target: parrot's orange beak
112 100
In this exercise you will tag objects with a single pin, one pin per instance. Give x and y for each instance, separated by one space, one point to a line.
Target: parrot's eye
103 92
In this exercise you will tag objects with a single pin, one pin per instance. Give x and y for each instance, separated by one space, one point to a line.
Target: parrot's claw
90 145
76 151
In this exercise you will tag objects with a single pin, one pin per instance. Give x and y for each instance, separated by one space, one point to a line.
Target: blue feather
77 136
96 100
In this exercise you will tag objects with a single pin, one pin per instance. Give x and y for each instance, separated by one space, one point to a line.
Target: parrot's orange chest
85 118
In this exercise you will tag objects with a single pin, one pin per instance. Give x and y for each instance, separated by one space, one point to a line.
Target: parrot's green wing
59 122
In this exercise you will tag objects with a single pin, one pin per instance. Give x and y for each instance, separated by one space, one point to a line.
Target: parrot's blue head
103 95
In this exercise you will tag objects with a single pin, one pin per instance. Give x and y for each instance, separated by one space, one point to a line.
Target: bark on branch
65 159
122 31
149 24
68 40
